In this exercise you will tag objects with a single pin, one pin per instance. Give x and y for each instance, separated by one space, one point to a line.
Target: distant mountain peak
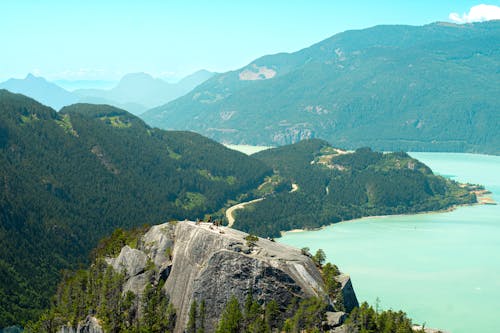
136 92
136 76
39 88
33 78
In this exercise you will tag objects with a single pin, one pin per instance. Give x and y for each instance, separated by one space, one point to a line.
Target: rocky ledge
199 261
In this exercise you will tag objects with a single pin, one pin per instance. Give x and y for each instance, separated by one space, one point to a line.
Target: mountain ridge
140 91
135 92
389 87
40 89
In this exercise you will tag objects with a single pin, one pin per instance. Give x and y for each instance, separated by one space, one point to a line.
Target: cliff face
212 266
205 263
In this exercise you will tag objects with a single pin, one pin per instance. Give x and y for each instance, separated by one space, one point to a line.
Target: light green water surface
441 268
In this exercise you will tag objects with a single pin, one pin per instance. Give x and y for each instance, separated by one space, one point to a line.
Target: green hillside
428 88
334 185
68 179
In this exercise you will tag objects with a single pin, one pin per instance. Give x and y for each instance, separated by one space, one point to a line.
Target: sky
103 40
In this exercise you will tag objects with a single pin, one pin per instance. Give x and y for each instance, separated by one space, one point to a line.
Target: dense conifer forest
68 179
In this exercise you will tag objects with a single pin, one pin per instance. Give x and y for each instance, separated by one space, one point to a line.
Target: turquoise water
441 268
247 149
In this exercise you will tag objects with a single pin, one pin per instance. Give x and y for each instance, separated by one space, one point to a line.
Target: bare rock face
212 266
157 242
66 329
334 319
348 295
137 283
130 261
202 262
91 325
293 134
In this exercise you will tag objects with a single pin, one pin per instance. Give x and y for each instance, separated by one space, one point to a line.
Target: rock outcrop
211 266
334 319
90 325
348 295
201 262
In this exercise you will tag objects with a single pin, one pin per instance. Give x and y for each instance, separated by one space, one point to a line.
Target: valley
332 168
120 173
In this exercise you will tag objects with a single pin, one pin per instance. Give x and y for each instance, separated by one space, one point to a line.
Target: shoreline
483 198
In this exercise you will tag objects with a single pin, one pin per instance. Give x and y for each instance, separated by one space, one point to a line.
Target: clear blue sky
104 39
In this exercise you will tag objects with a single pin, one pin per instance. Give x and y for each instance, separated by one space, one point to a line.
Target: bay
443 269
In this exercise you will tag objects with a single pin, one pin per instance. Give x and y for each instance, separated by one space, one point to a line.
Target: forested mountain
332 185
67 179
426 88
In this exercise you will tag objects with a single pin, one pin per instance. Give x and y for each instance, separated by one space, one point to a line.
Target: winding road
230 210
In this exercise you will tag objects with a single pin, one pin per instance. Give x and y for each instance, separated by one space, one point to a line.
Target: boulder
334 319
348 294
90 325
131 261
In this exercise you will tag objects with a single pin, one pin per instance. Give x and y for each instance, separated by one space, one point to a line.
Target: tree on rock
231 317
319 258
191 326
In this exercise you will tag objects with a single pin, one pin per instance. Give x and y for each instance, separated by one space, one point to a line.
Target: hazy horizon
104 41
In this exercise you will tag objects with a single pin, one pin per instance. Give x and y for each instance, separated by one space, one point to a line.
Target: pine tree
271 316
191 326
202 312
252 318
231 317
319 257
158 313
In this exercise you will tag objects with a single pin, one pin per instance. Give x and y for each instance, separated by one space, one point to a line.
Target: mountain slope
389 87
139 91
67 179
40 89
